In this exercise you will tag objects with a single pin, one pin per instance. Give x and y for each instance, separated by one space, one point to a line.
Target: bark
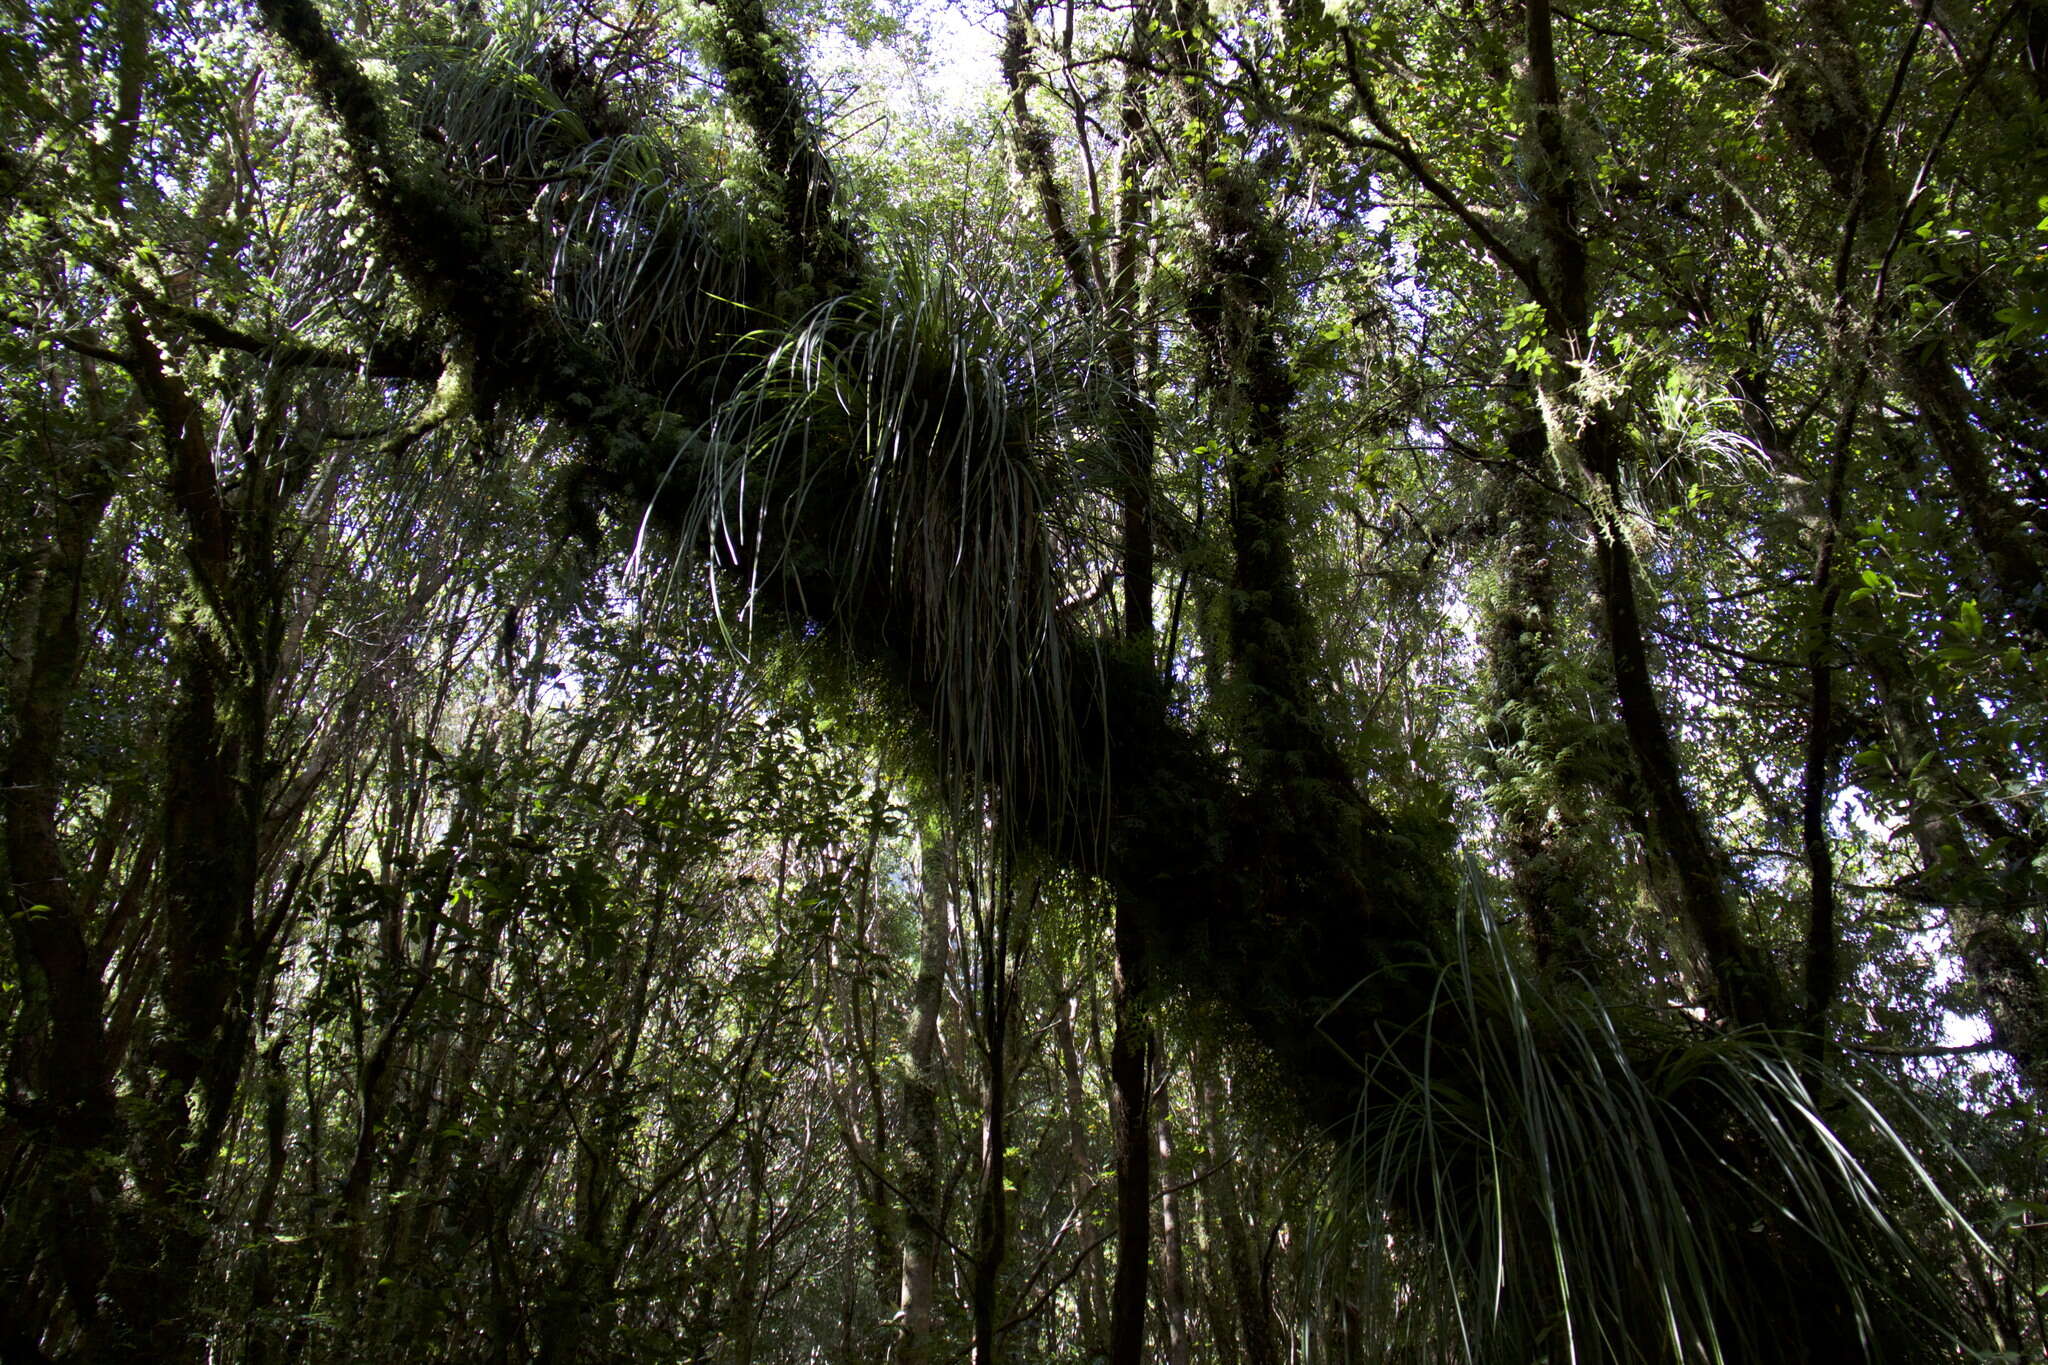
224 639
1130 1071
1173 1288
59 1079
1815 85
920 1100
765 83
995 1003
1586 435
1818 780
263 1340
2034 47
1238 1232
446 1100
744 1318
1543 832
376 1088
870 1151
1090 1306
1112 300
1032 142
1269 885
1207 874
1987 906
1133 419
1298 805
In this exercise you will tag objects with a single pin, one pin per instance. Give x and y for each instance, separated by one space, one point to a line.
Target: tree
531 958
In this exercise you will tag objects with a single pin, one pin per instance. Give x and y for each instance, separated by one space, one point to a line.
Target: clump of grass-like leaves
631 241
1549 1183
913 454
922 433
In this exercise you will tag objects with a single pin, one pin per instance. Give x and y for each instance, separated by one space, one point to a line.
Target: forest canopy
1323 681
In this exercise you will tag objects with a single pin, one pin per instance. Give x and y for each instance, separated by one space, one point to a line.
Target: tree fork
1586 435
1177 837
1323 944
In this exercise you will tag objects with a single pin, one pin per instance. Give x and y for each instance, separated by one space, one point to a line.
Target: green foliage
631 529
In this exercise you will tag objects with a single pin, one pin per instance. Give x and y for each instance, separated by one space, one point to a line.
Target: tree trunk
1814 83
224 642
1001 929
1210 877
59 1076
1173 1288
1111 295
1242 1268
920 1100
1130 1070
1543 824
1089 1303
1267 882
263 1337
1987 906
1587 436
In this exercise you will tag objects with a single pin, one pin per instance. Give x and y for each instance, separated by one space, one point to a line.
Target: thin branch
72 340
1932 1050
1520 266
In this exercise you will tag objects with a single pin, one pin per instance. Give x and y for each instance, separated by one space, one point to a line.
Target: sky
959 74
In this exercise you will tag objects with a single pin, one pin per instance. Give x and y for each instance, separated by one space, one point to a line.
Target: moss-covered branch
1164 821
